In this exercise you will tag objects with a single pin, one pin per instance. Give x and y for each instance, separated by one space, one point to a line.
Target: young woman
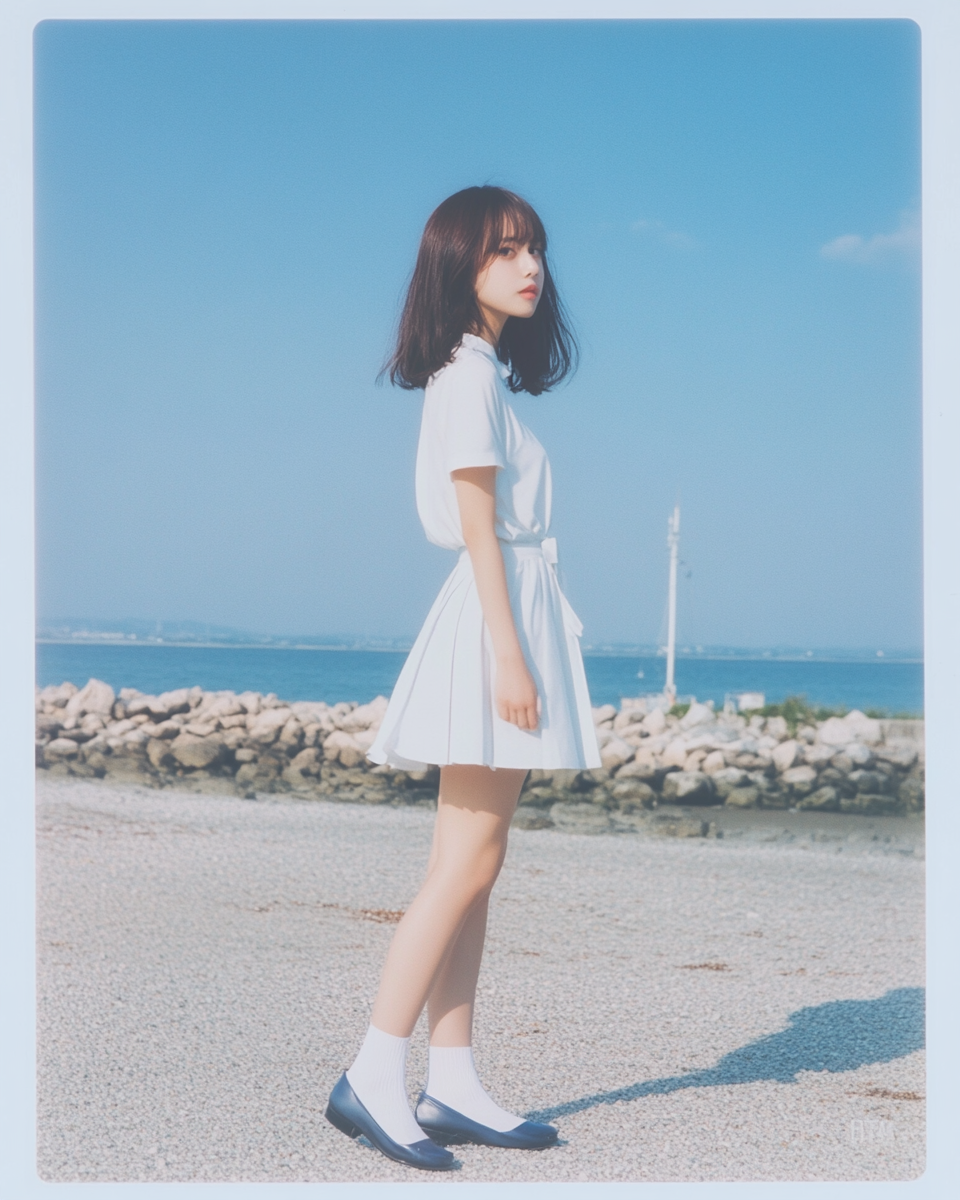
494 684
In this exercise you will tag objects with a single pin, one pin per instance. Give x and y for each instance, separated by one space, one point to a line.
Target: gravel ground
684 1009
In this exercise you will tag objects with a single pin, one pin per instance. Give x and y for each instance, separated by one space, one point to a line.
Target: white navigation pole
673 541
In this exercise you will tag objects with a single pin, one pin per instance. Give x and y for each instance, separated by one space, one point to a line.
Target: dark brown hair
461 236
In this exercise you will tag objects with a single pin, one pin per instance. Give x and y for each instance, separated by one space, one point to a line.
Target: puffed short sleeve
475 418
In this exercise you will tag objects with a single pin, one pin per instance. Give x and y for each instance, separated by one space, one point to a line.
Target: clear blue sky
227 214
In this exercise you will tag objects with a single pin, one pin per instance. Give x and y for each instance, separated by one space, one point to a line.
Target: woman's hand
516 694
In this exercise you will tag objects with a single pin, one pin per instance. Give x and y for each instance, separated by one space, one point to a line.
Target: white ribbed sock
454 1082
378 1076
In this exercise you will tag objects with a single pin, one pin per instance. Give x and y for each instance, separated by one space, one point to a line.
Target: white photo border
939 22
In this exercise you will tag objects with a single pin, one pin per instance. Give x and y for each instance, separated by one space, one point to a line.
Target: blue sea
331 675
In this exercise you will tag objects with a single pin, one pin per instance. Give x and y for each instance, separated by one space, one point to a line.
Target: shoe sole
448 1139
345 1125
464 1139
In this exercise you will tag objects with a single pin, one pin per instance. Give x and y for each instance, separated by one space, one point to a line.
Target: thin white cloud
851 247
662 234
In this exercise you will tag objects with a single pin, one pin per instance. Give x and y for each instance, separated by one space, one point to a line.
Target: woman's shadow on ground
841 1035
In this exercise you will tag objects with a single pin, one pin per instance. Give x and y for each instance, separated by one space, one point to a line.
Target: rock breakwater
681 762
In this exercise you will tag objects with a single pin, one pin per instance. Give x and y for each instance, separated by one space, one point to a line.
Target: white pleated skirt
442 709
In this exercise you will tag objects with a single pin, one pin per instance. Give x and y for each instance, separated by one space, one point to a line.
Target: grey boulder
632 793
800 780
195 752
689 787
728 779
95 697
825 799
869 782
743 797
61 748
911 794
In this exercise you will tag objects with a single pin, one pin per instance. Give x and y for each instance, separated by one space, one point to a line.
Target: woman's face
510 284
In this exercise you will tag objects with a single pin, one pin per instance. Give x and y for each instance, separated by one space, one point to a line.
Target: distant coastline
224 645
196 635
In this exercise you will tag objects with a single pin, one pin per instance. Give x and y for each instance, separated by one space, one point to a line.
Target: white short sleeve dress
442 709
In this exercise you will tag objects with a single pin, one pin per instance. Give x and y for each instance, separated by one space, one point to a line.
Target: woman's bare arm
516 693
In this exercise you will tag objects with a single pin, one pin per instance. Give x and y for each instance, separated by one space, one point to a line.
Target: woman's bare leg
450 1004
452 1074
470 838
473 819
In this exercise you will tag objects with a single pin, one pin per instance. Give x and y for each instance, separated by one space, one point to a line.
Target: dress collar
470 341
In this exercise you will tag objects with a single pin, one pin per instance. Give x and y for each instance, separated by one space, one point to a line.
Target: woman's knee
469 877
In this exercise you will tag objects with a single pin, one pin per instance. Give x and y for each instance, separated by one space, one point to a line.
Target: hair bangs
511 220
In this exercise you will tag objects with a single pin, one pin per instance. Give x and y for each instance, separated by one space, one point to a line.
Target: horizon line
607 650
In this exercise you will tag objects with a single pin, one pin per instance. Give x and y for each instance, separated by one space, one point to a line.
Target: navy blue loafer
347 1114
446 1125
